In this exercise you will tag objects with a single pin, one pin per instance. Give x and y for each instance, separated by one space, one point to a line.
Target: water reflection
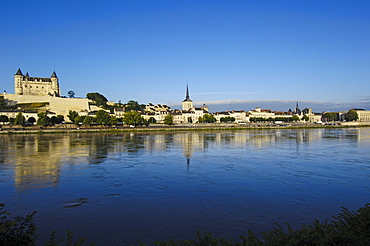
37 159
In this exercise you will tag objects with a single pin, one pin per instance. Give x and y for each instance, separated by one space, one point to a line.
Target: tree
4 118
72 115
57 119
168 119
102 117
71 94
227 119
43 119
2 102
133 118
98 98
79 119
152 120
113 120
134 106
305 118
19 119
295 118
330 116
88 120
351 115
207 118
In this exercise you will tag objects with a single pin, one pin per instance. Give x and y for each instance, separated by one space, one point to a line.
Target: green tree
88 120
2 102
4 118
305 118
72 115
152 120
43 119
134 106
207 118
71 94
57 119
295 118
133 118
102 117
79 119
113 120
330 116
351 115
98 98
19 119
227 119
168 119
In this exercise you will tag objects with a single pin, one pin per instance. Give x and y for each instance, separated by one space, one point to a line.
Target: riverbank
71 128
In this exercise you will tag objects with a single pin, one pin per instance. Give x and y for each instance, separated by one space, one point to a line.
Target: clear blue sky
233 54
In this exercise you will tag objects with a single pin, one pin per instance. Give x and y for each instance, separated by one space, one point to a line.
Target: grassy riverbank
160 128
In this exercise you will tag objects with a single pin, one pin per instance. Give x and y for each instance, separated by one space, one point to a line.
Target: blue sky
233 54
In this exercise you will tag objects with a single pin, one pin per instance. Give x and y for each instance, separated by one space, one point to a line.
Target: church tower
187 103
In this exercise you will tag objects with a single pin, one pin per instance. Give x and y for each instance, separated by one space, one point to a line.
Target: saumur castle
43 94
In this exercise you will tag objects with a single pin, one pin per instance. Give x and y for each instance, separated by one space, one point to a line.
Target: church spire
187 92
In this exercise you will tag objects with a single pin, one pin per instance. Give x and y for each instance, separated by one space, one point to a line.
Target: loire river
113 189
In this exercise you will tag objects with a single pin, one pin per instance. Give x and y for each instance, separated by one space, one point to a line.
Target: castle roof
19 72
54 75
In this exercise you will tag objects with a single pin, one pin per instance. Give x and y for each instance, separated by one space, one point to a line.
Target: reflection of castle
38 159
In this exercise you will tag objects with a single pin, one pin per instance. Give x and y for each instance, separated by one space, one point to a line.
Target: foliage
22 231
134 106
4 118
227 119
152 120
168 119
19 231
98 98
133 118
43 119
79 119
72 115
207 118
102 117
2 102
295 118
113 120
305 118
19 119
57 119
351 115
71 94
88 120
330 116
349 228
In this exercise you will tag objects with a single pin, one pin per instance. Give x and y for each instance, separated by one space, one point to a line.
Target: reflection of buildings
37 160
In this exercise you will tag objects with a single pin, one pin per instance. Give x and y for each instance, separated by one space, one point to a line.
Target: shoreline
193 127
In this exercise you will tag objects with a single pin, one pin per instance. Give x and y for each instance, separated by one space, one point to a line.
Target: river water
114 189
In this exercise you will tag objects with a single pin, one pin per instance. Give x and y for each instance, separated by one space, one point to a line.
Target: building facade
36 86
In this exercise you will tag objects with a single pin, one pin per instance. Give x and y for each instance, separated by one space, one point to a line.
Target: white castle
36 86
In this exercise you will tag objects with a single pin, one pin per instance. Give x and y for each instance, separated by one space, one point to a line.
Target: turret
55 84
18 77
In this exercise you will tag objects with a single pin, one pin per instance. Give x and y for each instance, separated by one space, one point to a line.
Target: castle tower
187 103
55 84
18 77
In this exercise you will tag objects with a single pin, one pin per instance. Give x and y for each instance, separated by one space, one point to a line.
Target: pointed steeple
19 72
187 98
27 74
54 75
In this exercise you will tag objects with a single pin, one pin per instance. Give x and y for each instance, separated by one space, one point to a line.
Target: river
116 188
